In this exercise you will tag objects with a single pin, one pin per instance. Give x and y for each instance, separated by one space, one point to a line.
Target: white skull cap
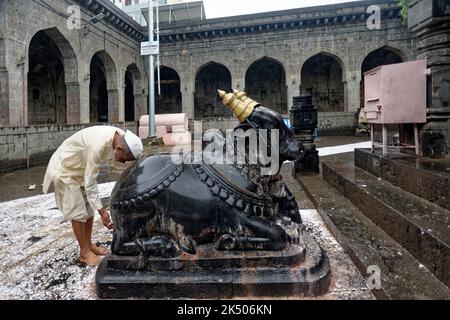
135 144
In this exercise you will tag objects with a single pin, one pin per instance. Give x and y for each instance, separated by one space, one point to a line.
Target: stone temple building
57 76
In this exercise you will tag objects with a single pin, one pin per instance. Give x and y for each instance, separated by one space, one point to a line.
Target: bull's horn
240 109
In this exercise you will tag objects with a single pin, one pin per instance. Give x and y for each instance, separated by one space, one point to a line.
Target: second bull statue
161 208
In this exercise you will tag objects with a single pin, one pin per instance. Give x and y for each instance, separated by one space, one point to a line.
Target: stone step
426 178
421 227
402 276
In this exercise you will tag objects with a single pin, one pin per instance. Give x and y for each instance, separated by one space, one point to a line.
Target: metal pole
151 73
159 60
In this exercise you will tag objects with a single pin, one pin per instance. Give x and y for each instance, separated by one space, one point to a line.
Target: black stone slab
426 178
402 276
208 258
311 277
418 225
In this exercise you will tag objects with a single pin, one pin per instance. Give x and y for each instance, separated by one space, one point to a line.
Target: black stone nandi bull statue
163 209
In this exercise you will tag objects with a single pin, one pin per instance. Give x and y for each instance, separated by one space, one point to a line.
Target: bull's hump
145 175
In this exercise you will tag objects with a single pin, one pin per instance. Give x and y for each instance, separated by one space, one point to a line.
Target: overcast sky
226 8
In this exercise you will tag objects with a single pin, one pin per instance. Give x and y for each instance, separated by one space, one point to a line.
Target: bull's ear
243 126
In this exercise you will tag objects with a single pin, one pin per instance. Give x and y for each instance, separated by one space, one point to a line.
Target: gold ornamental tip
241 95
240 109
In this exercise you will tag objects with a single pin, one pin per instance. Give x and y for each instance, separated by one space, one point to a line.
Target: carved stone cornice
115 17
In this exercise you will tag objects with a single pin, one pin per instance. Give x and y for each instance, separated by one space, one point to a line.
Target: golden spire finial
240 109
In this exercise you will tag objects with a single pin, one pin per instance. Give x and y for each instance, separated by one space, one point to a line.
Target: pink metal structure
396 94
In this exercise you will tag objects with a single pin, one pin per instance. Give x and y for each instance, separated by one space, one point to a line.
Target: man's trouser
71 200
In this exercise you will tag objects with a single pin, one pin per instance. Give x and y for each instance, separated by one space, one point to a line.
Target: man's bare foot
99 251
90 258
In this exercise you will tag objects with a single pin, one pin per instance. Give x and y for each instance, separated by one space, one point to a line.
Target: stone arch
265 82
103 89
378 57
53 87
382 56
170 100
323 76
211 77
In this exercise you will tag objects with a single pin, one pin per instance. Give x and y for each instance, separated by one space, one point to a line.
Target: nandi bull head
251 114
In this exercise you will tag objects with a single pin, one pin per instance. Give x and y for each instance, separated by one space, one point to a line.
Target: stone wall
337 123
116 39
330 123
34 145
288 38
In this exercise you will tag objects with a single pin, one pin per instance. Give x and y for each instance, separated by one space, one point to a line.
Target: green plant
404 6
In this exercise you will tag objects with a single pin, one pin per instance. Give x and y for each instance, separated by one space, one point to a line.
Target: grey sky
226 8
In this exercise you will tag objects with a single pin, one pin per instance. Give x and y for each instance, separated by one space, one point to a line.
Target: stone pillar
4 98
352 91
18 96
113 105
140 105
73 102
15 59
187 92
429 20
85 105
293 87
121 99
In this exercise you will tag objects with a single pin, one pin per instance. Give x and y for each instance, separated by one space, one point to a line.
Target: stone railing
24 147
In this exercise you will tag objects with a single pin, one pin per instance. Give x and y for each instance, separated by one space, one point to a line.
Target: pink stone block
179 128
167 120
177 138
161 131
143 132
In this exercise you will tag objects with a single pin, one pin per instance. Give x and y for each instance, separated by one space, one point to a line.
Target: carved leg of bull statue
288 206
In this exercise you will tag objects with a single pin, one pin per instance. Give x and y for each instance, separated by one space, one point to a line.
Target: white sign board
149 48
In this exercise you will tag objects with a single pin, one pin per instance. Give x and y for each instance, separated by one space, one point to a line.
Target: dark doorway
129 96
170 100
265 82
46 82
211 78
98 91
321 77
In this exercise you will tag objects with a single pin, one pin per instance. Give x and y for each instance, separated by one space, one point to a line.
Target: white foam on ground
329 151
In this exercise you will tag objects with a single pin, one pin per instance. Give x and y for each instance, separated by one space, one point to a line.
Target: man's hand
106 219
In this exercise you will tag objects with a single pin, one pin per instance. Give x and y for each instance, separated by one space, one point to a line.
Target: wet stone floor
39 254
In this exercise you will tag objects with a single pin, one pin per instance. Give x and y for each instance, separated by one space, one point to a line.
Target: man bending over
73 170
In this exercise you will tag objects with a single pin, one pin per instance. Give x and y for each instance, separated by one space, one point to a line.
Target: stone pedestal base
310 163
297 271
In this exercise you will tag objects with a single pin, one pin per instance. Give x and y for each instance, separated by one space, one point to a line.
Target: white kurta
74 168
